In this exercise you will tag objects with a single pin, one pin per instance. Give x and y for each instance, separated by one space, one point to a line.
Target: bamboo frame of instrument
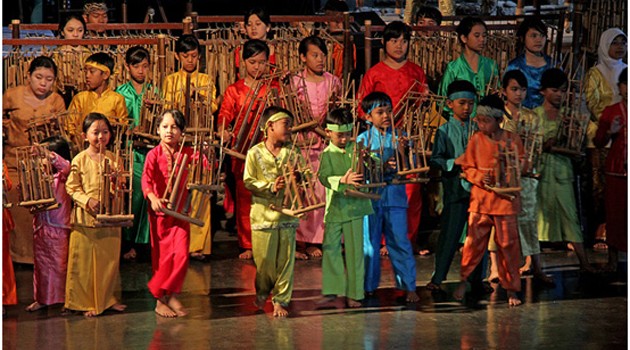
507 171
35 180
532 137
371 169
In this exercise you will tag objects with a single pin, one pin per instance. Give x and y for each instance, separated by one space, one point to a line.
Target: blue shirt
533 75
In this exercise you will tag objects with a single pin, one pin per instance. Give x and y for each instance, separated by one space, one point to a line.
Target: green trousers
343 275
274 256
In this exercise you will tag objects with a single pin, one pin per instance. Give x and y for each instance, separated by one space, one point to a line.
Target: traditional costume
533 75
109 103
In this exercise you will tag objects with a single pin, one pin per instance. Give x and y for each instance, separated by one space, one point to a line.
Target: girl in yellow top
93 253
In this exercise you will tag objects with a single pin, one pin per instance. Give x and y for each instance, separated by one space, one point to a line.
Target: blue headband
461 94
376 105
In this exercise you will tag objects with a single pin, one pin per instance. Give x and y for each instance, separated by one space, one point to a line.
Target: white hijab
608 66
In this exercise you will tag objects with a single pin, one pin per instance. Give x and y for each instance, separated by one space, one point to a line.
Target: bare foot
527 267
513 299
260 302
90 314
494 277
279 311
424 252
177 306
314 252
246 255
300 256
325 299
412 297
162 309
384 251
543 278
35 306
130 255
459 292
197 256
433 287
570 246
353 303
118 307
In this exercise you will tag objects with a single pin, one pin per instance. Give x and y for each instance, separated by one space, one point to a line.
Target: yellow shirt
109 103
599 95
175 88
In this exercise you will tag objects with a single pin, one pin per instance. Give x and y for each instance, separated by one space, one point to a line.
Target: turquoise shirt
334 163
533 75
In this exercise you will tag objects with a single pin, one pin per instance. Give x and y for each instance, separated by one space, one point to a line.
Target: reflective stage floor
581 312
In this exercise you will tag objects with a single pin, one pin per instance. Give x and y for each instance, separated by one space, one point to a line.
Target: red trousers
616 200
170 241
414 211
508 247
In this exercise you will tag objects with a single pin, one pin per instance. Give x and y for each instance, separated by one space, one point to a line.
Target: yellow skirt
200 237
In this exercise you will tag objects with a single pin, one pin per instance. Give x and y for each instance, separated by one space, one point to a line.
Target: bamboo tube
368 44
176 185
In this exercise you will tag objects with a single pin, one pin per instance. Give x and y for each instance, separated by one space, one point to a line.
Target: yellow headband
98 66
274 118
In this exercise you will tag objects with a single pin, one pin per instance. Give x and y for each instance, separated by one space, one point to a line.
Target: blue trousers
392 222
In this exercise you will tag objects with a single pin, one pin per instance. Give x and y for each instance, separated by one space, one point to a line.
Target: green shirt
554 167
334 163
133 100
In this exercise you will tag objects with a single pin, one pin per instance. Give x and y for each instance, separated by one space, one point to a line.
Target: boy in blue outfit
390 212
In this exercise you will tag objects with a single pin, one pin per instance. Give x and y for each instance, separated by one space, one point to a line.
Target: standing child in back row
273 233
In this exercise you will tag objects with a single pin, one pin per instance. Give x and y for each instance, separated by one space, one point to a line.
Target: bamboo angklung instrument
115 181
507 171
531 134
35 180
45 126
370 164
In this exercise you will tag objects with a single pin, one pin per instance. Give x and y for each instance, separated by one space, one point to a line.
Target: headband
489 111
339 128
376 105
461 94
274 118
94 6
98 66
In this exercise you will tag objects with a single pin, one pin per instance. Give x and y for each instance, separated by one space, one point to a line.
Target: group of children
353 231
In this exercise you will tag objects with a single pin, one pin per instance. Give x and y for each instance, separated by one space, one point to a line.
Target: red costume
9 290
488 209
234 105
616 197
170 237
395 83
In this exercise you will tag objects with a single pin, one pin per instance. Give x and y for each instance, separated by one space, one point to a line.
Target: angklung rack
45 126
507 171
529 130
371 167
35 180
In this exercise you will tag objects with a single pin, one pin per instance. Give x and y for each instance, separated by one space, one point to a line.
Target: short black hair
375 99
336 6
104 59
553 78
67 19
42 62
58 145
93 117
460 85
312 40
339 116
137 54
394 30
177 115
260 13
425 11
623 77
185 43
466 25
530 23
253 47
514 74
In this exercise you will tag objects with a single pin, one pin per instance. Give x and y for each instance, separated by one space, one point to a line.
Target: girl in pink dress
320 87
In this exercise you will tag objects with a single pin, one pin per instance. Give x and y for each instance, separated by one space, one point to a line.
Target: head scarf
608 66
94 7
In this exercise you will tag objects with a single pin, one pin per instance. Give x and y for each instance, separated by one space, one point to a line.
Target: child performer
342 274
471 65
613 126
170 237
138 62
320 87
273 233
51 231
34 99
257 26
487 208
557 214
451 140
390 212
521 120
99 98
93 253
9 289
177 95
395 76
236 99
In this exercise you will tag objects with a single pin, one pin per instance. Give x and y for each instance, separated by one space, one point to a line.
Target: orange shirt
479 160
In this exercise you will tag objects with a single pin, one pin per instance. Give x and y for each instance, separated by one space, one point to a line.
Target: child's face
554 95
139 71
189 60
73 29
314 60
339 139
514 92
95 78
476 39
256 65
461 107
41 81
380 117
535 41
280 130
334 26
98 135
623 90
255 28
397 48
168 130
426 22
487 125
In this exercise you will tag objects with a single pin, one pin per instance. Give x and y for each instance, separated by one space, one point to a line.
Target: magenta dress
51 231
311 229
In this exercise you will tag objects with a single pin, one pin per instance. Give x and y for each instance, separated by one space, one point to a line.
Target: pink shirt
60 217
